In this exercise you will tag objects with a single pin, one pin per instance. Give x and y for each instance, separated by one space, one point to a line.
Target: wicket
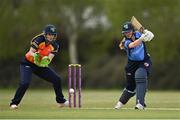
72 80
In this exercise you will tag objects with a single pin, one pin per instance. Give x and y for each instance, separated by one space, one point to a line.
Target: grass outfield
97 104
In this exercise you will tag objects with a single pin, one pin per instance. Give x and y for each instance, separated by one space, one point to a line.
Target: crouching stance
43 49
138 65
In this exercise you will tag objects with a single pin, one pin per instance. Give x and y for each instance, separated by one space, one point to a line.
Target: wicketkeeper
43 48
138 65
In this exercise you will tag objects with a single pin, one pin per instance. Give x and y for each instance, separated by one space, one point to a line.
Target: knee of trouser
130 84
140 75
56 80
131 87
24 85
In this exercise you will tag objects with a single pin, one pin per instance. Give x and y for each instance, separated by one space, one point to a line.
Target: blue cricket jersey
137 53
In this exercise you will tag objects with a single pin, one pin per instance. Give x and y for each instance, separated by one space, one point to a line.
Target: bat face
137 25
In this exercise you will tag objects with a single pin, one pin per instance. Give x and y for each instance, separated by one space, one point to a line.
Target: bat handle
142 29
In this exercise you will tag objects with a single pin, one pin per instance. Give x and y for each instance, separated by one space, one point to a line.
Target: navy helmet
50 29
127 27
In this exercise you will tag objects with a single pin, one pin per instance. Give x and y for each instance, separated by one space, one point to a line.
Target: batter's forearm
135 43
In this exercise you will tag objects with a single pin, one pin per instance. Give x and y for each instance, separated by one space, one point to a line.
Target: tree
79 17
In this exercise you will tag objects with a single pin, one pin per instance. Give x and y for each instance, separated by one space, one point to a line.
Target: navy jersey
137 53
39 43
42 46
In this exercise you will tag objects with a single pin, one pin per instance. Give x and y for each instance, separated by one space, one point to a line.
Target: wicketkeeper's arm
32 51
51 56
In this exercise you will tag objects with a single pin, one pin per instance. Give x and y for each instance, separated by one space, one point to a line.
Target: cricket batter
43 49
138 65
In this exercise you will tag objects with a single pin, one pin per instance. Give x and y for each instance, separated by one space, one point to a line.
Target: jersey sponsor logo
27 66
146 64
44 49
128 73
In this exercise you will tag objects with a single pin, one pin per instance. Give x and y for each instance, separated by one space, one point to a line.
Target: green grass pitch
96 104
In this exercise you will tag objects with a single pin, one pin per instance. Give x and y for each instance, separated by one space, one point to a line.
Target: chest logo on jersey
44 49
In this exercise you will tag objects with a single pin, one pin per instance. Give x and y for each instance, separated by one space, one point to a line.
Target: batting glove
148 36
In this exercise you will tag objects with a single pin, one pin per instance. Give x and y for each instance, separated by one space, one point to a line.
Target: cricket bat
137 25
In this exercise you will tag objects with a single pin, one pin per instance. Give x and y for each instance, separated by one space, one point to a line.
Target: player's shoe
118 105
139 106
13 106
65 104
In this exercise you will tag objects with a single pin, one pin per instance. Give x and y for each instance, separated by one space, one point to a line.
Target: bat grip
142 29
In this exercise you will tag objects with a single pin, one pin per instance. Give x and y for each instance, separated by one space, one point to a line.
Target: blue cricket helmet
50 29
127 27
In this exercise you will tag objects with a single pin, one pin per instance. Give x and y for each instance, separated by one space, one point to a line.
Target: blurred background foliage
89 34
